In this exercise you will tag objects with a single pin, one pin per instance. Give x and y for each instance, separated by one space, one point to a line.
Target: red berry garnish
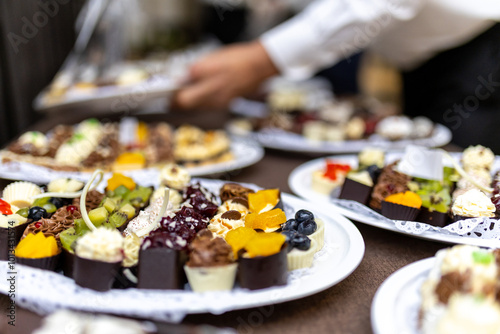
38 224
71 209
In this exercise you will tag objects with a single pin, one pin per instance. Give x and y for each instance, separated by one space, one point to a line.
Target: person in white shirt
448 50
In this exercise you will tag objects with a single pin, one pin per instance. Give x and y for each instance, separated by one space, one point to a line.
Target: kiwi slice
109 204
121 191
98 216
68 238
139 196
118 219
80 227
128 210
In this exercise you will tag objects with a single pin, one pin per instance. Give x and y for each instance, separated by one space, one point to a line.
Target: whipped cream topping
131 247
219 226
473 203
477 157
102 244
174 176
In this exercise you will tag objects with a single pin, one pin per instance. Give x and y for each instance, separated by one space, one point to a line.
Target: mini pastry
357 187
174 176
263 262
38 251
325 181
161 260
395 127
478 157
193 145
389 182
402 206
99 254
462 276
211 265
474 203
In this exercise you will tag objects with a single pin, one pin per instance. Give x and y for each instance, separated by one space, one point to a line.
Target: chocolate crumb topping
231 215
452 282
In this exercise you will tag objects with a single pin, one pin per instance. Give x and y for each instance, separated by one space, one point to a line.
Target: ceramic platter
300 183
44 291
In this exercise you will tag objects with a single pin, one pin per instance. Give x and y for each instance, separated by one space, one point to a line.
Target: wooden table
343 308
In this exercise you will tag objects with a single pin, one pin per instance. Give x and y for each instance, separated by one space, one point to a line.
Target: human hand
225 74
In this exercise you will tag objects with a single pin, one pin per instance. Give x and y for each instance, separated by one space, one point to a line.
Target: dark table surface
343 308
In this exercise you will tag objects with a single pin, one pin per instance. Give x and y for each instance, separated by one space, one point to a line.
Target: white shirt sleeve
331 30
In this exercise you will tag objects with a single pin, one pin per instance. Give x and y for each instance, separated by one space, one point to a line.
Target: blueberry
36 213
374 171
308 227
303 215
301 242
290 235
291 224
57 201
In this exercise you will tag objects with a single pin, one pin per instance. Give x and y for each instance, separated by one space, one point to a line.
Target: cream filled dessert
174 176
478 157
462 282
473 203
102 244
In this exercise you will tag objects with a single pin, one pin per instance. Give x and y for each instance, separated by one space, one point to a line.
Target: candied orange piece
407 198
37 246
118 179
263 198
128 158
239 237
265 244
142 133
266 220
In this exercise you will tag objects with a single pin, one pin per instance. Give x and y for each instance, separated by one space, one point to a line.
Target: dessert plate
246 152
397 301
44 292
292 142
300 183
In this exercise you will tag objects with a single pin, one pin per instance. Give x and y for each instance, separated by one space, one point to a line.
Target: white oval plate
246 152
44 291
292 142
397 301
300 183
